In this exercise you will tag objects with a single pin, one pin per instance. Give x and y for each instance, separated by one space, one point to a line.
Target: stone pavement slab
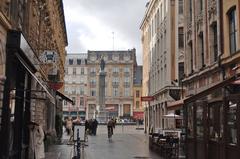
52 155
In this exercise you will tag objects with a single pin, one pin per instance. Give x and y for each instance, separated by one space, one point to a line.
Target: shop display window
199 121
190 120
231 122
215 118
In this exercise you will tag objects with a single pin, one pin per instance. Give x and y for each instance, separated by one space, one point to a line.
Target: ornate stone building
212 78
163 59
138 111
27 29
76 81
119 68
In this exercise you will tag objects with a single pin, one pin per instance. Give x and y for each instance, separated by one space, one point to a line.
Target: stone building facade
119 68
163 59
27 29
212 78
138 111
76 81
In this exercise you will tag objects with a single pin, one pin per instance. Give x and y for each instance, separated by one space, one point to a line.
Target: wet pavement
127 143
122 146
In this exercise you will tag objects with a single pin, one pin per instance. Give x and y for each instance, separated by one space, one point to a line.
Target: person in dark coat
90 126
86 127
94 126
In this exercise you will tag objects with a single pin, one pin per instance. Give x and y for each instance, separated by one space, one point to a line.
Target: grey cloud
122 16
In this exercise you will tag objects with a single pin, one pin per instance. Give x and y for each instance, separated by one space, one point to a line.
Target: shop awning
27 58
64 97
51 97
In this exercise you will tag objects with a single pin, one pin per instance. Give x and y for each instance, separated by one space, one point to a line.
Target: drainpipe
220 35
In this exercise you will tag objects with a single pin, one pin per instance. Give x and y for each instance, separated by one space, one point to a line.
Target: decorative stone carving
189 30
199 21
212 10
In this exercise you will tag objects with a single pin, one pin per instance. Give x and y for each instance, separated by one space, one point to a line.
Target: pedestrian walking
36 145
110 126
90 126
69 125
86 126
94 126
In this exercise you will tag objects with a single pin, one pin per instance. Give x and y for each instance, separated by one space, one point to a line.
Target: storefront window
199 121
221 122
215 121
190 120
231 122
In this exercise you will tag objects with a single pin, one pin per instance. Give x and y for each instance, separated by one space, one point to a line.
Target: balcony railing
126 73
126 84
92 85
115 83
115 73
92 73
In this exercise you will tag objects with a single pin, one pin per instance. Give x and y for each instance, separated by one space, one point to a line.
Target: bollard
122 127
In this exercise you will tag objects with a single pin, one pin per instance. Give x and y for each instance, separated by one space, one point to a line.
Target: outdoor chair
171 148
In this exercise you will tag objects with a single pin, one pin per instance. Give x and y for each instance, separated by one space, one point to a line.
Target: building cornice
206 71
62 18
147 13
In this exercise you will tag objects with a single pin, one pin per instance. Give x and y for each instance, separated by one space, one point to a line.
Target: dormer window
70 61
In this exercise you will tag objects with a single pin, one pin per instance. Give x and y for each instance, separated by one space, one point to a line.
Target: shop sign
147 98
49 57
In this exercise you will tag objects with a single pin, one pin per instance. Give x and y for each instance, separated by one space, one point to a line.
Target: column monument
101 111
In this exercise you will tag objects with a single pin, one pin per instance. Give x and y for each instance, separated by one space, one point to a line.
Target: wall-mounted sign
147 98
55 85
49 57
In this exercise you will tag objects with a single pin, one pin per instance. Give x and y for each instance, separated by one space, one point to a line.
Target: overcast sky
91 23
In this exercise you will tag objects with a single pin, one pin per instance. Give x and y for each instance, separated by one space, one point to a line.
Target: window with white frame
93 92
115 92
126 92
127 79
115 80
115 70
81 90
81 79
93 82
126 69
92 70
180 6
74 71
81 101
82 70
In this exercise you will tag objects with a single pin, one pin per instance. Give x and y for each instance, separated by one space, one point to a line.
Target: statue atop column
101 115
102 64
